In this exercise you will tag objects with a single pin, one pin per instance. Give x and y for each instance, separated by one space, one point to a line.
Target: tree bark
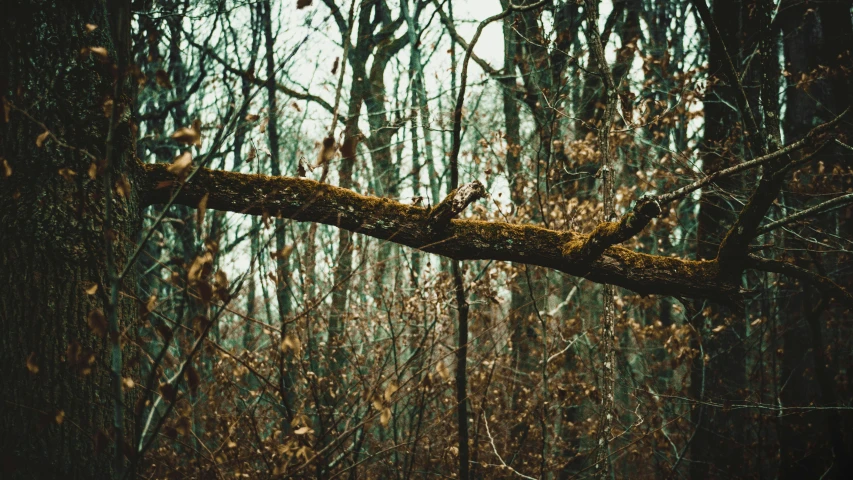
716 448
52 231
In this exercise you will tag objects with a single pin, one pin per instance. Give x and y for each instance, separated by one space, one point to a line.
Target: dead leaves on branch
291 343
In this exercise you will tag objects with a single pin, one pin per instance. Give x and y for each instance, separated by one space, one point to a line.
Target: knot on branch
610 233
647 208
455 202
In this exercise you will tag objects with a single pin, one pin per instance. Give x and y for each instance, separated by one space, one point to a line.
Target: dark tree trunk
717 447
52 234
812 38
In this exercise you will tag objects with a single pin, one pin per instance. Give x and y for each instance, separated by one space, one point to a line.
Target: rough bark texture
715 447
52 236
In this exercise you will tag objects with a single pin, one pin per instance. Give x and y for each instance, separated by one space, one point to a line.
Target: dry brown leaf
303 431
152 303
41 138
189 135
91 27
201 267
97 323
300 4
91 288
202 209
123 187
220 280
385 417
252 117
390 390
100 53
108 107
183 426
327 151
181 164
93 170
7 169
32 366
67 174
59 417
442 370
291 343
284 253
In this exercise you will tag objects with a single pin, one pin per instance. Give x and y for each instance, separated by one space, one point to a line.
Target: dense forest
403 239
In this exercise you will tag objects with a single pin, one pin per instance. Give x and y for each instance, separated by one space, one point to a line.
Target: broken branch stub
607 234
455 202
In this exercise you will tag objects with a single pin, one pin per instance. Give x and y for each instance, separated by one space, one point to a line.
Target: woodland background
276 345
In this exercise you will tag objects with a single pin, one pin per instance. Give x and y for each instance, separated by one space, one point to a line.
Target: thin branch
347 43
649 207
262 82
819 208
830 288
469 51
753 131
495 449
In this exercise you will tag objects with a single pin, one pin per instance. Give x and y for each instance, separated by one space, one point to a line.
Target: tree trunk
53 234
717 447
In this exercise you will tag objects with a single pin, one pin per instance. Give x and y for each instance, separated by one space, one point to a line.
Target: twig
347 43
495 449
819 208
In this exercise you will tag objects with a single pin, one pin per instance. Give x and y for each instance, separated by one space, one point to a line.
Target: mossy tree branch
647 207
309 201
